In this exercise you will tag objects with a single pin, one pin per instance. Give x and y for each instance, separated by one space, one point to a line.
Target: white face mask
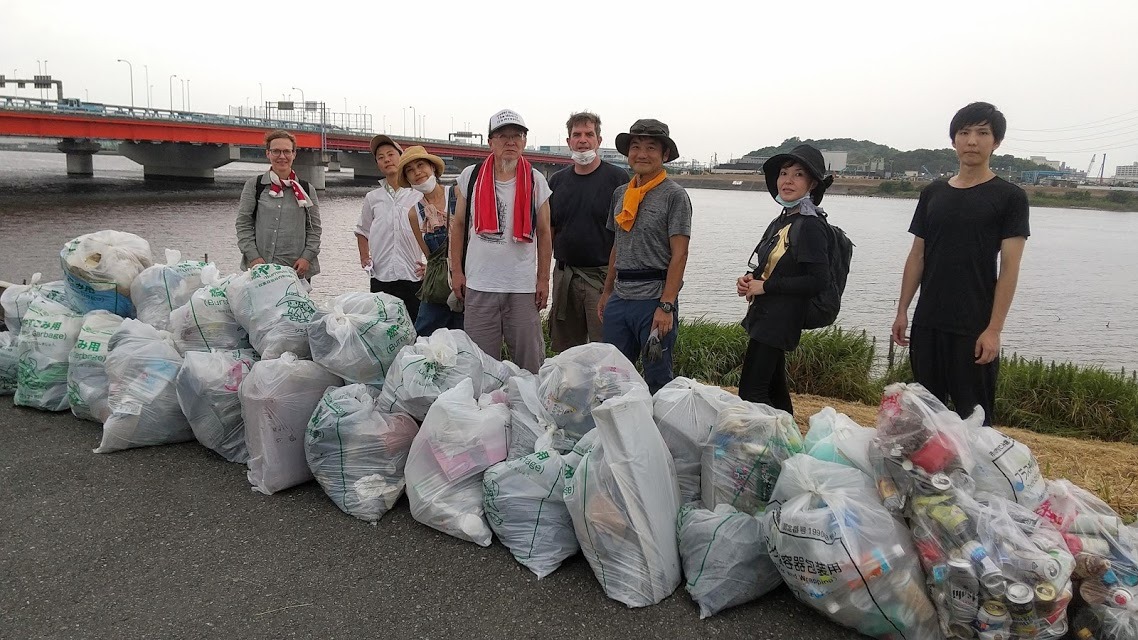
427 186
584 158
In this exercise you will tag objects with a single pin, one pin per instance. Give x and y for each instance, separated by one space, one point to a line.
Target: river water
1076 299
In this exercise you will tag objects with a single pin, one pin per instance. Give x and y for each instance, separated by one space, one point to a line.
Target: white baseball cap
507 117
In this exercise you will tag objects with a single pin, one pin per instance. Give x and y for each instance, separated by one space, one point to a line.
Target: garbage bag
725 557
358 453
460 439
87 389
9 359
835 437
207 387
141 369
359 338
525 506
1004 465
161 288
47 333
744 453
99 269
529 421
206 322
421 372
843 554
685 411
579 379
623 499
272 303
18 297
278 397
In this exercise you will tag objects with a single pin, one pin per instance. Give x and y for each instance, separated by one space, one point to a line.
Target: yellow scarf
632 199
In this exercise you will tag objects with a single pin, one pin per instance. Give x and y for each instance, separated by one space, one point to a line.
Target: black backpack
260 188
822 310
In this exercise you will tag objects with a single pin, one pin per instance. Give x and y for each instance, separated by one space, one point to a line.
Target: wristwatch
667 307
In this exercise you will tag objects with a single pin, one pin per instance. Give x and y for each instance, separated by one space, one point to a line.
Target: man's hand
458 284
987 346
662 322
743 284
601 305
256 262
755 287
364 262
301 265
420 269
900 324
541 298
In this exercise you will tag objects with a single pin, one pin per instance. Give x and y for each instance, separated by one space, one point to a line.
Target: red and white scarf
486 201
276 189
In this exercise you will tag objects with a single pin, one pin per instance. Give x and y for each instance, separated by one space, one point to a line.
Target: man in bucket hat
651 220
389 248
501 246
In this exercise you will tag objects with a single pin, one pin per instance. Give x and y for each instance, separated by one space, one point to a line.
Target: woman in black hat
790 265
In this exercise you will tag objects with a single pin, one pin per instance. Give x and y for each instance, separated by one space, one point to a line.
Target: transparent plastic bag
744 454
686 412
835 437
843 554
725 557
141 369
18 297
161 288
1004 466
529 421
9 361
358 453
359 338
421 372
278 397
207 387
206 322
623 499
48 332
460 438
272 303
87 386
100 267
579 379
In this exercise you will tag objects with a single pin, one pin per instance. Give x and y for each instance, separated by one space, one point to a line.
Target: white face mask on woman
427 186
584 158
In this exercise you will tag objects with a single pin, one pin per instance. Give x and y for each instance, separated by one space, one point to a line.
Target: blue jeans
434 316
627 325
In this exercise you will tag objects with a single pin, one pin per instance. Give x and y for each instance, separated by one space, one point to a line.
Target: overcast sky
728 77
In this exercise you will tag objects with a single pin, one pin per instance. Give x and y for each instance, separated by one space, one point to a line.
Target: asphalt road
170 542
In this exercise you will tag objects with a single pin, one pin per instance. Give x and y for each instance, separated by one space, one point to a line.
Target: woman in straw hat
429 219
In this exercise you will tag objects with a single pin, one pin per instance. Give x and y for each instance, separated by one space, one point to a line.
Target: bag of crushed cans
744 454
835 437
843 554
579 379
686 412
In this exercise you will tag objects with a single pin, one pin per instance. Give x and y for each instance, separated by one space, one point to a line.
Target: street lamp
414 120
302 101
183 81
172 76
187 94
130 67
262 92
404 121
146 68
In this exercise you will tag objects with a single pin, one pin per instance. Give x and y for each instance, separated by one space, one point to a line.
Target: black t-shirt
579 212
962 230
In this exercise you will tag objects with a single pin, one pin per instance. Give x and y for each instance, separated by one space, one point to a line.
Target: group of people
478 255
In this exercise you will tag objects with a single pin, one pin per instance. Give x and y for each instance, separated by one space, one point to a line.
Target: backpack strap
469 222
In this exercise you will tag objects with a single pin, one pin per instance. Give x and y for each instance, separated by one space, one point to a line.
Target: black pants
763 378
945 363
405 290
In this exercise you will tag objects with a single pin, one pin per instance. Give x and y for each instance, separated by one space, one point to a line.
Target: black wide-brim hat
808 157
651 128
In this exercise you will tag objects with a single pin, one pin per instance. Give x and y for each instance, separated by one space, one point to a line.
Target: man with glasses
278 218
501 246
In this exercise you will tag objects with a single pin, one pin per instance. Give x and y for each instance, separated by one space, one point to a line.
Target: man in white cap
389 249
501 246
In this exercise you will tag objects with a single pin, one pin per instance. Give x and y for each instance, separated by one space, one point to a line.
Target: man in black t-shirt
579 210
960 226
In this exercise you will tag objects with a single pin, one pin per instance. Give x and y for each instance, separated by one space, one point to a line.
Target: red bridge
175 144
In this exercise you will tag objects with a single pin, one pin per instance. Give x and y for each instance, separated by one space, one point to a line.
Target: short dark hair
979 113
584 117
279 134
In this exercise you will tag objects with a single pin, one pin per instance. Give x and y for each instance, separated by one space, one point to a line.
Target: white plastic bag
421 372
835 437
47 333
86 374
579 379
1004 466
18 297
272 303
744 454
725 557
141 369
278 398
686 412
623 499
206 321
9 359
459 440
357 453
207 388
100 267
161 288
359 338
843 554
529 421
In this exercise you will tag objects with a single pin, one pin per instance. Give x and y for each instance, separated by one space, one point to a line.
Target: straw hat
412 154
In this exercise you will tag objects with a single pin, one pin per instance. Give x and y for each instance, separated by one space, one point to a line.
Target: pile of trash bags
99 269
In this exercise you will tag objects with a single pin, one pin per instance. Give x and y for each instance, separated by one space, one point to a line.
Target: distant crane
926 170
1102 168
1091 166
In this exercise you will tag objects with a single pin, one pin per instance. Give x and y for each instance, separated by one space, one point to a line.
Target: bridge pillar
309 166
79 155
178 160
362 164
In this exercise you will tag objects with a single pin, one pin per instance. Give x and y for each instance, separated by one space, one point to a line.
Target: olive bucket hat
651 128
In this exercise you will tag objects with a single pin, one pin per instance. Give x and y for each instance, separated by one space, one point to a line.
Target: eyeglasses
511 137
276 153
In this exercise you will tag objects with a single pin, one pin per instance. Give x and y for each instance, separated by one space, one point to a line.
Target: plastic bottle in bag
87 387
744 455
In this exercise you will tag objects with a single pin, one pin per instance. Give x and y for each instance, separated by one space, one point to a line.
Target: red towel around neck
486 202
